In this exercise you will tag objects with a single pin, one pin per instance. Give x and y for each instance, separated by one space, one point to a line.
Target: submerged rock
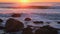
27 19
38 22
13 25
16 15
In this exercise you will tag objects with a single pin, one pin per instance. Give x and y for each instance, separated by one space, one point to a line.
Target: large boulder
13 25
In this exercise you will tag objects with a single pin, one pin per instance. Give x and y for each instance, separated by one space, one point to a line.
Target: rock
13 25
42 31
27 30
1 20
46 30
48 22
1 27
27 19
16 15
58 22
38 22
51 29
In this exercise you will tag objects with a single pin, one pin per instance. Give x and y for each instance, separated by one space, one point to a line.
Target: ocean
46 15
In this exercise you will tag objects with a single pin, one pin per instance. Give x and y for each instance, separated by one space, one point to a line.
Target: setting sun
24 3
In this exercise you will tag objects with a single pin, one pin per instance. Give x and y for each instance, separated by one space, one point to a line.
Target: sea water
46 15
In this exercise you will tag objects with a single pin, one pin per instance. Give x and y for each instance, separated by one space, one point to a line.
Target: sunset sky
25 3
30 0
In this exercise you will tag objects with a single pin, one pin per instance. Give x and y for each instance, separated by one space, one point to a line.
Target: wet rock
58 22
38 22
16 15
1 20
51 29
1 27
48 22
27 30
13 25
27 19
42 31
46 30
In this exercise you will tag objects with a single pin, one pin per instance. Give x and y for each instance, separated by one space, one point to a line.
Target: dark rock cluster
14 25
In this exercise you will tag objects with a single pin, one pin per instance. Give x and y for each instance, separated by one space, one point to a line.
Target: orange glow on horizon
24 3
30 0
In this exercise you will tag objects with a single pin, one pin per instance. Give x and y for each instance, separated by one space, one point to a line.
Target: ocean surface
46 15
